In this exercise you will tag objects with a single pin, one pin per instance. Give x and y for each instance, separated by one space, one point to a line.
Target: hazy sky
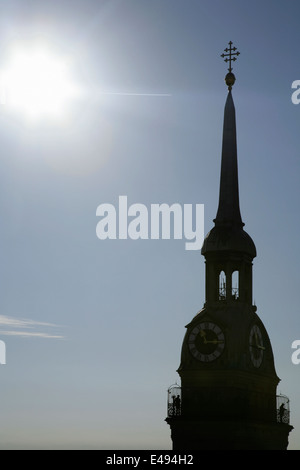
93 328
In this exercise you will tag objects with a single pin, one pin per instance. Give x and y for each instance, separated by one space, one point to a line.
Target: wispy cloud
22 327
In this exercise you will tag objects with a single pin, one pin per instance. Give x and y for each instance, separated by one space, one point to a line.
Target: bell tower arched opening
222 286
235 277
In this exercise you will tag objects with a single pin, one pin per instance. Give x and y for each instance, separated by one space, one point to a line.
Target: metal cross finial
229 56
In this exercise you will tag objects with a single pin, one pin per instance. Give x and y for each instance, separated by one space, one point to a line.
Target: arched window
222 286
235 285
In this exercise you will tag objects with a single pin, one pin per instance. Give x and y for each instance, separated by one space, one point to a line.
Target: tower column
227 369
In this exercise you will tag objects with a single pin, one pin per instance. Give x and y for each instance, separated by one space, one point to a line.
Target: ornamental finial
230 56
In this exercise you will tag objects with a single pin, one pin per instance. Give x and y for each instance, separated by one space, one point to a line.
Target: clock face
206 341
256 346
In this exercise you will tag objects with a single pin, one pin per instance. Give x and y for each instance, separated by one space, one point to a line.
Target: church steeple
227 247
229 207
227 398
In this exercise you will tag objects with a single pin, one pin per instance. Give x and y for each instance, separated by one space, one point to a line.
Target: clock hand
258 346
256 340
214 341
203 335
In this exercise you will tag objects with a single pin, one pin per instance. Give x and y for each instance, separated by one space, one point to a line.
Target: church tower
227 398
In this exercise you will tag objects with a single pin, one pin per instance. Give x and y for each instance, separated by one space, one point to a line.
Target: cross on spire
229 56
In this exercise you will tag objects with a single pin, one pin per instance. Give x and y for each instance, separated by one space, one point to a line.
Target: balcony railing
174 401
282 409
174 405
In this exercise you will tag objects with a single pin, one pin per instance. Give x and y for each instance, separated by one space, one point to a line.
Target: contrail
120 93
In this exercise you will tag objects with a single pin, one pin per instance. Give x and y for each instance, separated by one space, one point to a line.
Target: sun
37 82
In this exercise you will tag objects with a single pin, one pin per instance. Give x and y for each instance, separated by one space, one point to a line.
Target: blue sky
93 328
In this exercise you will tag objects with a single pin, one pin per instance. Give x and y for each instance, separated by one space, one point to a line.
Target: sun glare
37 83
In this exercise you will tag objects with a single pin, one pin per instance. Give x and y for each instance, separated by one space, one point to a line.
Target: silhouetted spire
229 209
228 233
